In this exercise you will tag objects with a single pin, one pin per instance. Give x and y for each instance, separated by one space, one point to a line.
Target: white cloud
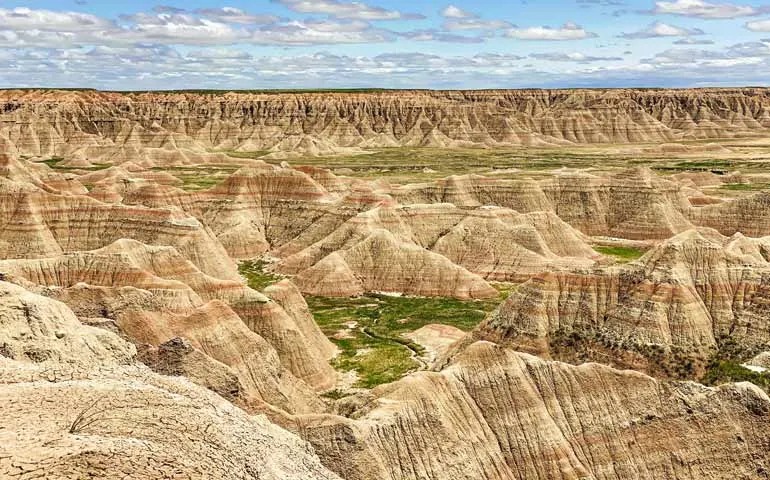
660 29
693 41
320 32
475 24
433 35
50 21
572 57
177 29
454 12
25 28
750 49
759 26
235 15
568 31
163 67
703 9
354 10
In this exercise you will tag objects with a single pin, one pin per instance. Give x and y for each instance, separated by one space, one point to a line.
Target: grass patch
725 365
194 183
414 164
743 187
623 254
698 165
252 155
730 371
256 275
53 161
376 348
199 177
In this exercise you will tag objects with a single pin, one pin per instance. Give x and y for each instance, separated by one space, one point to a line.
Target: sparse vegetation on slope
257 277
730 371
744 186
726 366
623 254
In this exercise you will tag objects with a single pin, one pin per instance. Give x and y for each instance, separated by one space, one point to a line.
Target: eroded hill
130 342
100 126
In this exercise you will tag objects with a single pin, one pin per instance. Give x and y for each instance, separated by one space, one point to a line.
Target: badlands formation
629 334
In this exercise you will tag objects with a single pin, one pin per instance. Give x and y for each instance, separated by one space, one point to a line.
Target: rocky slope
117 127
671 309
76 403
153 295
497 414
634 204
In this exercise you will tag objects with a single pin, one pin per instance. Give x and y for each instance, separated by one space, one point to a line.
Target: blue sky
390 43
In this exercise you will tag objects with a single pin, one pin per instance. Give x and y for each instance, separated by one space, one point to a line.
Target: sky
463 44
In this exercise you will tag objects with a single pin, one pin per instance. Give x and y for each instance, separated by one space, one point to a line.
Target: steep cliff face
100 124
498 414
676 303
154 295
495 243
633 204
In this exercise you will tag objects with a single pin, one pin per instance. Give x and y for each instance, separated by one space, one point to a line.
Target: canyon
415 285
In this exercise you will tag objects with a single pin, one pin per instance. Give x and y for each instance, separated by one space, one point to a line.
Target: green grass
376 348
53 162
413 164
699 165
256 275
744 186
729 371
194 183
202 177
623 254
253 154
725 365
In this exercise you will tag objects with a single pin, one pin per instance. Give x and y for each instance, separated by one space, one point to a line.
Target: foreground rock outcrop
74 403
497 414
153 295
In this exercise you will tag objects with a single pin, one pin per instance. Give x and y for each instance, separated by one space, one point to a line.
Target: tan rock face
745 215
185 125
762 360
38 329
37 224
494 243
381 263
74 405
497 414
634 204
681 299
154 295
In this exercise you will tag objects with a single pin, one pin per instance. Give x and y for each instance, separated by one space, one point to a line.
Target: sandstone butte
131 346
